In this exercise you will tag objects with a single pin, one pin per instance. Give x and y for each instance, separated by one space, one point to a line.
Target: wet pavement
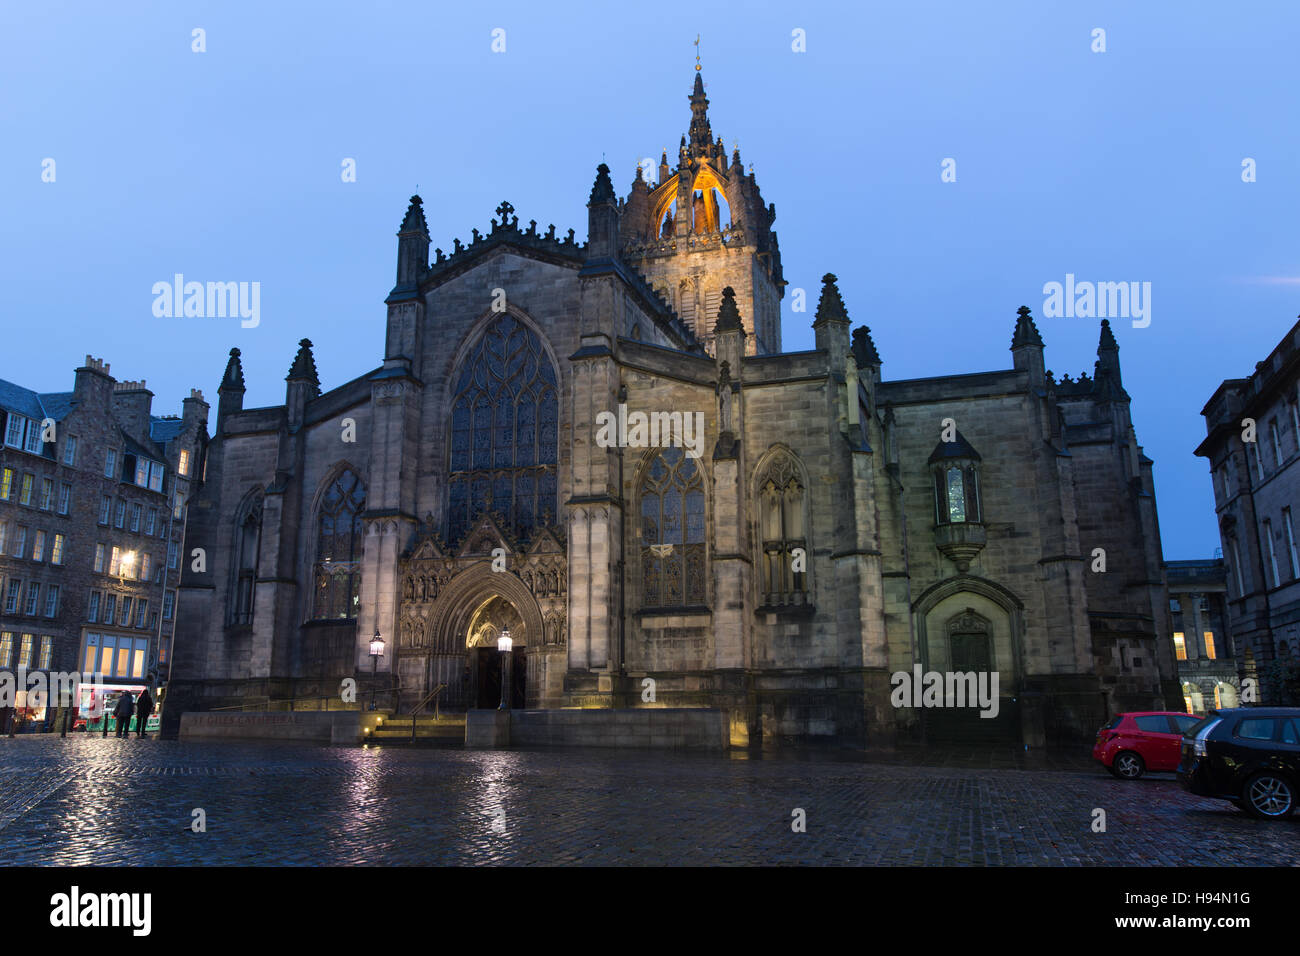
109 802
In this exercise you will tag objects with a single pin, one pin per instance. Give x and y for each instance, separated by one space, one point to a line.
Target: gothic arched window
339 532
782 533
248 534
954 466
672 531
505 415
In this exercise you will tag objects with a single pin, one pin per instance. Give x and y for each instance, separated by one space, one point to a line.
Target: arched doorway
485 663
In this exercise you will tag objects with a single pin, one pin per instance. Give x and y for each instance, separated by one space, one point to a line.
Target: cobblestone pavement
107 802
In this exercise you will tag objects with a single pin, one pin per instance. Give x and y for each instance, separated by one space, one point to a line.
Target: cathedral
823 537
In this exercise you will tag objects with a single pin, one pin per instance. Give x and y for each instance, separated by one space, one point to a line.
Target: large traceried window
672 531
339 535
782 534
504 433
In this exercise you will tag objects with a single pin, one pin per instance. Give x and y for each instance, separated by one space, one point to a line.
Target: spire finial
697 53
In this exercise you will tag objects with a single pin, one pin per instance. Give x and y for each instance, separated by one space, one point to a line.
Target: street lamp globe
376 645
504 642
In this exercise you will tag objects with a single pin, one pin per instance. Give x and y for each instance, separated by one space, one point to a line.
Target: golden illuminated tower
704 227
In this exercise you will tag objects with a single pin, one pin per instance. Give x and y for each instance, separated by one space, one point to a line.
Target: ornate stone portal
453 605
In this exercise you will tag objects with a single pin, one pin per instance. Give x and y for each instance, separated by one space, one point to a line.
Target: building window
504 433
173 555
110 464
1180 646
183 466
339 533
110 608
33 598
124 615
14 431
150 520
119 520
27 649
115 562
169 604
672 531
65 497
105 509
25 496
144 566
1295 422
1238 571
1259 459
1269 553
1277 442
92 608
56 550
1208 638
52 600
4 535
47 652
47 494
247 540
70 451
20 542
6 484
99 559
34 439
178 506
38 546
1290 543
136 511
12 595
141 612
783 536
6 648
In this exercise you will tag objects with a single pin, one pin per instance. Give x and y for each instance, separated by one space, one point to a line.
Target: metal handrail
269 701
431 696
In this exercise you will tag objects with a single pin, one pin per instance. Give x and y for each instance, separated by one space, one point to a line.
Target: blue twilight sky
225 165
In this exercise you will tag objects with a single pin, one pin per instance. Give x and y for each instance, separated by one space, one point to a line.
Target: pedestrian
143 708
125 707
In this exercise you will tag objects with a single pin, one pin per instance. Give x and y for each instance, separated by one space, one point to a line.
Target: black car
1249 755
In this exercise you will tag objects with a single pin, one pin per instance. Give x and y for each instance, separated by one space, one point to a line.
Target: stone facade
1253 448
1203 645
824 529
103 497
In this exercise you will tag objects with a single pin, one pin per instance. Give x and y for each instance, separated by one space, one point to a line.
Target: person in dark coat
143 708
125 707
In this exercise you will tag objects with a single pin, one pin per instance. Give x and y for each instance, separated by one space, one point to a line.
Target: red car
1131 744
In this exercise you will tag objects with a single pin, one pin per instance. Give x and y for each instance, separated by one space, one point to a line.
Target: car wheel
1269 796
1127 765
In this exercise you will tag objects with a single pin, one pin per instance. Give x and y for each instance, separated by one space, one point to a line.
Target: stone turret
230 395
1027 348
303 384
831 325
602 218
412 246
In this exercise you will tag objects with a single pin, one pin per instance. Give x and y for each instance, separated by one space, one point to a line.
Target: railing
268 703
431 696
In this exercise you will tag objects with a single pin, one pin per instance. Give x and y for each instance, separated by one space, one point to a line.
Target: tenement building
92 503
1253 448
1203 647
602 448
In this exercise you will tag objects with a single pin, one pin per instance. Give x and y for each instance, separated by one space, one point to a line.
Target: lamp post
376 652
504 645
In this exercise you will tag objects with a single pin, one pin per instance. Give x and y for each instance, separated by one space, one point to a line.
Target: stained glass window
504 433
338 549
672 531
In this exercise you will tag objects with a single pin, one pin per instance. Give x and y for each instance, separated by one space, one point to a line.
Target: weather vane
697 52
